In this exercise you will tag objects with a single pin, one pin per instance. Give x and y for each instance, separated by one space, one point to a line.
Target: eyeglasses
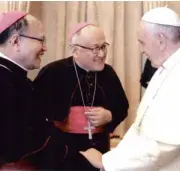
95 50
43 41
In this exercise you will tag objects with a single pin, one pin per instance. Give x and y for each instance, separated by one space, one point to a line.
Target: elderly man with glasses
82 97
21 48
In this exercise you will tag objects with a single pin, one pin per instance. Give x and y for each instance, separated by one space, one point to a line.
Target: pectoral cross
89 128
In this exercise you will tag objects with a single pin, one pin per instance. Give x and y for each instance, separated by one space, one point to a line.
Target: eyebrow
101 44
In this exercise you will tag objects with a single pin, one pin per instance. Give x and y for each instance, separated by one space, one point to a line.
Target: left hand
94 157
99 116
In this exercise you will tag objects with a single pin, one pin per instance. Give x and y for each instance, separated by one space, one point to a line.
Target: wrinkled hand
94 157
99 116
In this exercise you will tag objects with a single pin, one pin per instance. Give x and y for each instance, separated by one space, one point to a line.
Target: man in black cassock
21 46
78 93
147 73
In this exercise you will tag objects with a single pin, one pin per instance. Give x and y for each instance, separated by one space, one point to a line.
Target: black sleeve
6 114
43 93
55 149
118 101
147 73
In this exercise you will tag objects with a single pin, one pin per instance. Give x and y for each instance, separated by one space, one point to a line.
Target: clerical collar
12 67
5 57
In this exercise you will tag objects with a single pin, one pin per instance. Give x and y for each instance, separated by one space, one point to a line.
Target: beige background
120 21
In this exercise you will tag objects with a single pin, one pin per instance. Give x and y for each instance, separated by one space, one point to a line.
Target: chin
36 66
32 67
155 65
99 68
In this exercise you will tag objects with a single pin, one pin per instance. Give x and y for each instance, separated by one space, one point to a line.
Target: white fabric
153 141
5 57
162 15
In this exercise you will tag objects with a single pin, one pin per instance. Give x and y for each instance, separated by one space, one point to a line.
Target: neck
11 57
170 51
166 54
79 64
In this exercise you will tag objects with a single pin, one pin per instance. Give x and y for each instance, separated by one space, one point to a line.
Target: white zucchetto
162 15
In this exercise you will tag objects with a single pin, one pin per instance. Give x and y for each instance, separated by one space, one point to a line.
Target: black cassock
17 120
147 73
57 91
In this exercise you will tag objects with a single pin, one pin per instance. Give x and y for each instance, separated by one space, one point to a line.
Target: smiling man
82 96
21 47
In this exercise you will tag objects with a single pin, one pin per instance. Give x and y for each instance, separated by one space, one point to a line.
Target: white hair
171 32
75 38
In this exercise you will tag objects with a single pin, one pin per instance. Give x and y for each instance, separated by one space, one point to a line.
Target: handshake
94 157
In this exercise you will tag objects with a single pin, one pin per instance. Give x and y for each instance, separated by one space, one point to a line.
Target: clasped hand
98 116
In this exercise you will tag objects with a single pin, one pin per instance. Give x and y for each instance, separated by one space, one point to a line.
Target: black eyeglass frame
35 38
94 50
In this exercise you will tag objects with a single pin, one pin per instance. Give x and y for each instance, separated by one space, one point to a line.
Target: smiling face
89 58
30 49
148 44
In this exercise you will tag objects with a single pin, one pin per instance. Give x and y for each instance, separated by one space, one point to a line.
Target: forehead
35 27
92 36
141 30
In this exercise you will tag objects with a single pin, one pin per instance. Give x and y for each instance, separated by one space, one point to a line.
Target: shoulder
59 64
7 80
54 70
109 71
5 74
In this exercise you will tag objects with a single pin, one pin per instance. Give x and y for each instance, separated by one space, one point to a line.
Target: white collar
5 57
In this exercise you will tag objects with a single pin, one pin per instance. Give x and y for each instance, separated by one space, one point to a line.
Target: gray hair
76 37
171 32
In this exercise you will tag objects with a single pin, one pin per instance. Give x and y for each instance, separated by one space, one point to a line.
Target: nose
101 53
44 48
141 49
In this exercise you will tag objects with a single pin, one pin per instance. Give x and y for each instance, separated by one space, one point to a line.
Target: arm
6 113
155 144
50 92
134 153
118 102
115 109
42 92
139 153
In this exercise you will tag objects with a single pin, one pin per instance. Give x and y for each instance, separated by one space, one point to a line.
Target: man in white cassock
153 141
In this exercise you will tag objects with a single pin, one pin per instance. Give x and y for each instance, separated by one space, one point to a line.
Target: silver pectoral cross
89 128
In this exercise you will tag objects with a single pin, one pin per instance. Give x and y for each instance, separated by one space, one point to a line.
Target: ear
15 41
74 51
162 41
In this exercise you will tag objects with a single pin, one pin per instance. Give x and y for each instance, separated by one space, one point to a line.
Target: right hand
94 157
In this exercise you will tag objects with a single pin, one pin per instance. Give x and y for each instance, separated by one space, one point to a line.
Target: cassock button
91 84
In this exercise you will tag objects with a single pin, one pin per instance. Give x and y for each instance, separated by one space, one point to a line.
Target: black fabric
18 123
57 90
147 73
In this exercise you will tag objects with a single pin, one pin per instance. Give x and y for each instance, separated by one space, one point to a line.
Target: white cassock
153 141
